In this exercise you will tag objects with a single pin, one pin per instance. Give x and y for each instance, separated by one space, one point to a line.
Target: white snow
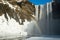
11 27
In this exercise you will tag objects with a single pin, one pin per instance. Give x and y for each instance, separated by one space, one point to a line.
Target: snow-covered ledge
11 28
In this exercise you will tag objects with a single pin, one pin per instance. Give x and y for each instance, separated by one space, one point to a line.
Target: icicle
41 11
36 11
51 10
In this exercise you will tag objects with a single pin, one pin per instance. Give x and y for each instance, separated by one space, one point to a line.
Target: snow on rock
11 27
